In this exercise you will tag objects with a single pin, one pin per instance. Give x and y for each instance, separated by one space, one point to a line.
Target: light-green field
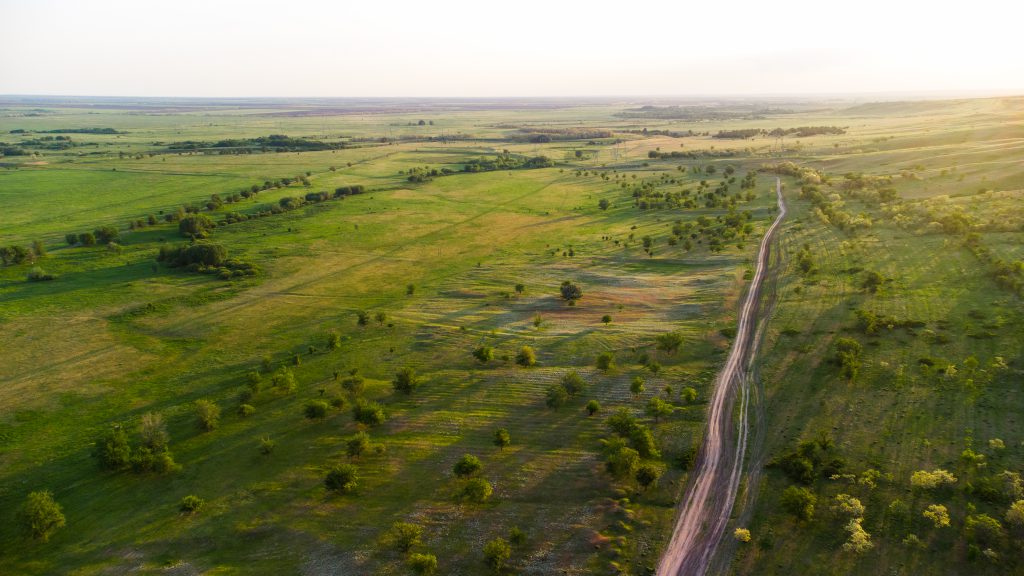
116 336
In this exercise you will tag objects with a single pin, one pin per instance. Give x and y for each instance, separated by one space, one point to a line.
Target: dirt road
711 492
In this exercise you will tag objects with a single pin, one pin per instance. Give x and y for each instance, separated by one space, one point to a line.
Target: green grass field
117 335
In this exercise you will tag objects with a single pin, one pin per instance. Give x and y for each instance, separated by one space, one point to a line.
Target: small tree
342 478
526 357
284 380
195 225
571 292
467 466
496 554
605 361
315 409
658 408
636 386
362 318
477 490
423 564
603 204
670 342
606 319
741 535
593 407
623 462
381 318
40 516
573 383
402 536
556 397
502 438
484 354
410 289
87 239
520 288
405 381
333 341
207 415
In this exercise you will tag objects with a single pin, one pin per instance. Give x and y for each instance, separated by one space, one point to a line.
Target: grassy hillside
434 265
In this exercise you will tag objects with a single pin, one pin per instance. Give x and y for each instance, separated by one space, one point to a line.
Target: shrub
37 274
246 410
153 431
930 480
71 239
938 514
368 413
354 384
333 341
496 554
402 536
106 234
516 537
112 449
405 381
358 444
623 462
688 395
984 530
87 239
423 564
342 478
593 407
846 505
267 445
741 535
467 466
190 504
284 380
658 408
605 361
606 319
40 516
526 357
484 354
477 490
195 225
647 475
207 414
1015 515
315 410
502 438
145 459
859 540
799 502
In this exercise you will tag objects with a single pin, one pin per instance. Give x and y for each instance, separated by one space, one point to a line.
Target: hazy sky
511 48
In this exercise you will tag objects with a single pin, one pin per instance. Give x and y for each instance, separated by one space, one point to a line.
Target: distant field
118 335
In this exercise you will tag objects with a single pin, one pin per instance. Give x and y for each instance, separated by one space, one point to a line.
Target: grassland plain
116 336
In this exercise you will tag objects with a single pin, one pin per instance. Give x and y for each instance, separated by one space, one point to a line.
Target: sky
452 48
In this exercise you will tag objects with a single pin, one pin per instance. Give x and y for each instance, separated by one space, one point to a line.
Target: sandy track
711 492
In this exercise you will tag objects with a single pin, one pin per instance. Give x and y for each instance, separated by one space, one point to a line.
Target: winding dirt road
711 492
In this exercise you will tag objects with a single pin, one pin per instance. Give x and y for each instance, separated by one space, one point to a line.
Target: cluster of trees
799 132
103 236
16 254
79 131
830 210
631 451
506 161
810 460
569 386
206 258
545 135
271 143
150 453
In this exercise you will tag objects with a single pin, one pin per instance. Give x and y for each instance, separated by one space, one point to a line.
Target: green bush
423 564
477 490
368 413
315 410
342 478
207 415
468 465
190 504
496 554
402 536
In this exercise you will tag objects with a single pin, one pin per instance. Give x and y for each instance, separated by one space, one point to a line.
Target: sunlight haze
307 48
